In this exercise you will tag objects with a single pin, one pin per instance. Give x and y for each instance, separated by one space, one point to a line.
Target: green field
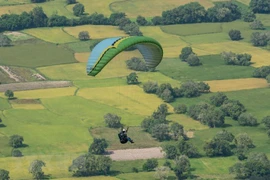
12 2
39 55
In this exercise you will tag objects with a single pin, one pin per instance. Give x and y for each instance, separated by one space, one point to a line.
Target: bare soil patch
133 154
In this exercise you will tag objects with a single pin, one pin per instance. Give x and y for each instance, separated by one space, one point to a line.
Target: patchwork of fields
59 124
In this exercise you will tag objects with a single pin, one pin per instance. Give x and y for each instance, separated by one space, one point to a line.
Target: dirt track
34 85
133 154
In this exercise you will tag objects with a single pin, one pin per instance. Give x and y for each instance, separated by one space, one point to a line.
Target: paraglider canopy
107 49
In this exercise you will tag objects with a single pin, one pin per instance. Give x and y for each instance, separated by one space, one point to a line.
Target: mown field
59 124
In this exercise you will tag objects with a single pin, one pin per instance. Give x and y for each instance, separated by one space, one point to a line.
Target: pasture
79 46
13 2
39 55
53 35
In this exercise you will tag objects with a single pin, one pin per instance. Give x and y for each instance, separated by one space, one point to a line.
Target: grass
237 84
192 29
12 2
18 9
4 77
80 46
264 18
17 36
96 31
128 98
206 38
82 57
150 8
27 106
143 139
4 103
39 55
53 35
213 68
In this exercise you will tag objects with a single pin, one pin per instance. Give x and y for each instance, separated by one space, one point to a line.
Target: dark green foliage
98 146
132 29
168 164
165 92
268 78
180 109
248 16
203 87
56 20
212 117
218 99
4 40
235 35
261 72
193 60
70 1
260 6
256 166
78 9
132 78
16 141
182 167
141 20
161 132
122 22
150 87
231 58
16 153
84 36
266 122
177 130
171 151
115 16
150 165
157 20
35 169
188 149
112 120
260 38
224 135
135 170
256 25
217 147
38 1
4 174
136 64
185 52
243 141
39 17
190 89
89 164
246 119
194 111
233 108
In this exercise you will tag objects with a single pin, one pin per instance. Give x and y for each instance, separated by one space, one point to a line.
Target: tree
35 169
4 40
162 172
157 20
180 109
218 99
122 22
39 17
177 130
16 141
242 140
150 165
112 120
167 95
188 149
185 52
132 78
256 25
78 9
132 29
171 151
98 146
217 147
150 87
203 87
161 132
71 1
231 58
246 119
190 89
233 108
195 111
268 78
193 60
266 122
136 64
182 166
235 35
260 6
261 72
248 16
38 1
4 174
224 135
115 16
16 153
212 117
259 39
84 36
141 20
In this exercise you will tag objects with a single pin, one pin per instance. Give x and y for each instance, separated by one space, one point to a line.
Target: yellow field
237 84
81 57
54 35
18 9
260 57
96 31
186 121
130 98
27 106
151 8
44 93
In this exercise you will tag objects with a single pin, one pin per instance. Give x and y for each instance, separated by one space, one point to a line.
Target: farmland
60 121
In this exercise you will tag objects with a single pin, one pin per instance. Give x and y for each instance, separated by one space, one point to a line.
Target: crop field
12 2
18 9
179 70
80 46
4 104
129 98
39 55
236 84
150 8
53 35
18 36
96 31
82 57
27 106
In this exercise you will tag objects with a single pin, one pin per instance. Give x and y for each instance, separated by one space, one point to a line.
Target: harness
123 138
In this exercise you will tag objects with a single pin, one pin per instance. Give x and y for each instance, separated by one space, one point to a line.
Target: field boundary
34 85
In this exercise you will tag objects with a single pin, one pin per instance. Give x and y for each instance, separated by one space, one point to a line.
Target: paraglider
123 137
107 49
